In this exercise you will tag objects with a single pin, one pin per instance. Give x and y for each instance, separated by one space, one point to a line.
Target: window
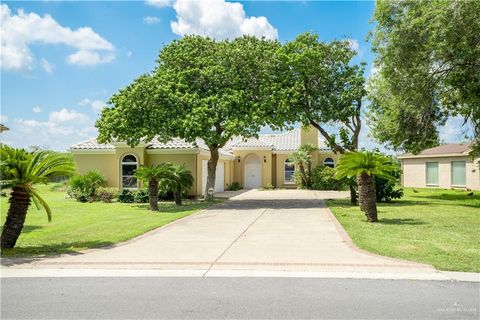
289 170
329 162
432 173
459 173
128 166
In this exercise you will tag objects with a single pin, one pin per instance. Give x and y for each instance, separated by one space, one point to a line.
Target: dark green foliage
106 194
385 190
234 186
83 186
126 196
323 178
427 57
140 195
165 194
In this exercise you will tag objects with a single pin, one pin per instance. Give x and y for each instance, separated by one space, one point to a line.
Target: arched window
329 162
128 166
289 170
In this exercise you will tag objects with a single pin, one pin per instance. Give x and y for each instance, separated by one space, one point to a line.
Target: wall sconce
264 159
237 158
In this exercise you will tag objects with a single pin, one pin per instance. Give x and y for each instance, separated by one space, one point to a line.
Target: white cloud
89 58
353 44
37 109
151 20
129 54
218 19
455 130
62 129
96 105
3 118
47 66
22 29
65 116
159 3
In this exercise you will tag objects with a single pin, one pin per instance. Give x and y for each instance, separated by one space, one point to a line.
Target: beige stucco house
446 166
253 163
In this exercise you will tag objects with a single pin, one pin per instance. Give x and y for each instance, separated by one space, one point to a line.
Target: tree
201 88
20 170
428 61
303 161
153 175
179 181
316 84
366 165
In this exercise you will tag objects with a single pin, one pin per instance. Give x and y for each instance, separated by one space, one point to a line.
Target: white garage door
219 176
253 172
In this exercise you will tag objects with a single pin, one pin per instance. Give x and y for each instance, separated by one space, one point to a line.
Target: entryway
253 172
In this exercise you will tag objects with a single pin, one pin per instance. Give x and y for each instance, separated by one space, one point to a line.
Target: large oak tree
428 61
200 88
316 84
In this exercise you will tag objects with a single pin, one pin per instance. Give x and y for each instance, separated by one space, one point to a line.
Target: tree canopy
200 88
428 61
316 84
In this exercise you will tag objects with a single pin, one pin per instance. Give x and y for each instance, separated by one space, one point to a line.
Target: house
446 166
253 162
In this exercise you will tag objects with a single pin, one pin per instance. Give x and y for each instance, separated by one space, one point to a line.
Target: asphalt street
236 298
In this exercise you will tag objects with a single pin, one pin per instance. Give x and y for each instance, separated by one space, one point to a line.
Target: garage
219 176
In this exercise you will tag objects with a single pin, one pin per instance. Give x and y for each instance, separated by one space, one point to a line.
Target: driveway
282 230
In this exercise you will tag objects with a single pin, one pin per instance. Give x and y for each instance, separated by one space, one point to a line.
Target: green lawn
437 227
78 226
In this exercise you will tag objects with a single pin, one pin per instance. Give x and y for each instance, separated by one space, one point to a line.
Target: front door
253 172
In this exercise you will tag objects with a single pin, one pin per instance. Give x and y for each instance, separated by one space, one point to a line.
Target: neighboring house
3 128
254 163
446 166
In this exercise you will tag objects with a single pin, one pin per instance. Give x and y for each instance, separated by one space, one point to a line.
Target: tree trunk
353 195
360 200
368 197
304 175
153 194
177 195
19 203
211 172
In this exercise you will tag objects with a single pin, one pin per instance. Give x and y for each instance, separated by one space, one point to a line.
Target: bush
106 194
126 196
140 195
83 186
268 186
323 178
385 190
234 186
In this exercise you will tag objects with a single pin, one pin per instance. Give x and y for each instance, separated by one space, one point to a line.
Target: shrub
140 195
126 196
268 186
234 186
323 178
165 194
83 186
106 194
385 190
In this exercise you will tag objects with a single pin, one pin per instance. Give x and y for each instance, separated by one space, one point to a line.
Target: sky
61 61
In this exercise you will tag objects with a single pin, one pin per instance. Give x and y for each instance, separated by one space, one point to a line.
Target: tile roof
287 141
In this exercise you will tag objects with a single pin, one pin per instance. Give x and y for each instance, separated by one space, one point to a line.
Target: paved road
283 230
239 298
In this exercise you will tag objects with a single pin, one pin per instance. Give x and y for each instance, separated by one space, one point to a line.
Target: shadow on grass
27 229
173 208
405 221
461 199
19 255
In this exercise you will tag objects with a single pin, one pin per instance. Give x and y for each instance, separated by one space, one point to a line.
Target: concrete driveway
282 230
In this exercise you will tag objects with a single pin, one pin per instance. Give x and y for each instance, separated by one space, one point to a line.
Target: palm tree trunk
353 195
304 175
153 194
19 203
178 196
360 200
368 197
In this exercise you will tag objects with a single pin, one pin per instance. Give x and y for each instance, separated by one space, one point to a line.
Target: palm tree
180 181
153 175
303 161
366 165
20 170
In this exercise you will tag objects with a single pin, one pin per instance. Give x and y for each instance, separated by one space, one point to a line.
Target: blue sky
62 60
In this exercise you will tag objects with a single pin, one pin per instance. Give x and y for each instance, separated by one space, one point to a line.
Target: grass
78 226
432 226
